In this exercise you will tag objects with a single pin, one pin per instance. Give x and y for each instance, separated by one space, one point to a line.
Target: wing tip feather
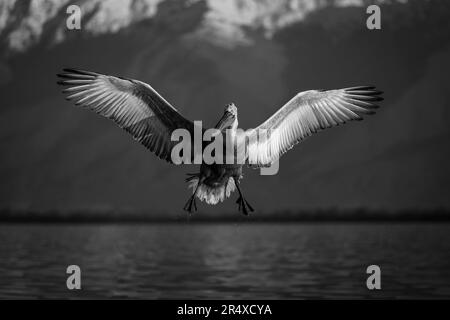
80 71
356 88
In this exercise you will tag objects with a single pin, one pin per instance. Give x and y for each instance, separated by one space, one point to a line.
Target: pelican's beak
226 121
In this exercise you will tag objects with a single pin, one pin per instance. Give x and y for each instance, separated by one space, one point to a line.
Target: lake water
221 261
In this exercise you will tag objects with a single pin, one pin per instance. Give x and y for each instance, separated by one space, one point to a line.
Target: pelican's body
216 182
137 108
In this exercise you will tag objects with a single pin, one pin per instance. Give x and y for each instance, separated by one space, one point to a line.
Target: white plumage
137 108
212 195
305 114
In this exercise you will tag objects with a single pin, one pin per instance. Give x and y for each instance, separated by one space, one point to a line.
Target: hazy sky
55 156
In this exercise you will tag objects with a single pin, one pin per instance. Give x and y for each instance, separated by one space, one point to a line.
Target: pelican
141 111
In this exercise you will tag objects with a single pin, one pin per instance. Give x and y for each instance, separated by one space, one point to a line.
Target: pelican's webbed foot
190 205
244 206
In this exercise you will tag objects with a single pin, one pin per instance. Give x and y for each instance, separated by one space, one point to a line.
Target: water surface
225 260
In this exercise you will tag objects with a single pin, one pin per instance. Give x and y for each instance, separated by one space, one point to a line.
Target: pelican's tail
211 195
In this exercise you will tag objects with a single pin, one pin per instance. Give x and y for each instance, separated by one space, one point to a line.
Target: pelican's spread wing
133 105
305 114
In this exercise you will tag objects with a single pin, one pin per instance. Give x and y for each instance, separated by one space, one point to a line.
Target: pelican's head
231 108
229 118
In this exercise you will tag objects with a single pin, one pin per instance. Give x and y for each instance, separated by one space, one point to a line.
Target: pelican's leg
191 202
243 204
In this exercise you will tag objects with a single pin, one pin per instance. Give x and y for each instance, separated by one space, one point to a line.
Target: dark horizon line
309 216
212 221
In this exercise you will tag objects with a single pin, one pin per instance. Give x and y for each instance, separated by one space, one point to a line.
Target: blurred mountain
201 55
226 23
